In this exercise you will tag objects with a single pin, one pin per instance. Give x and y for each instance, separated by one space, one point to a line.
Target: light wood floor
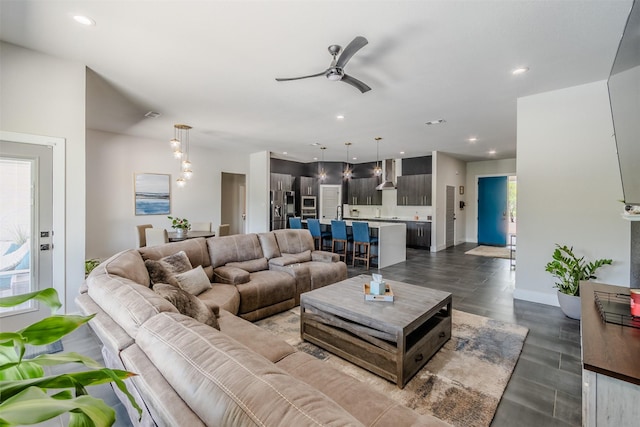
545 389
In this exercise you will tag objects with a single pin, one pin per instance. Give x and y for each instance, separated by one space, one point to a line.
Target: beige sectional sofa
192 374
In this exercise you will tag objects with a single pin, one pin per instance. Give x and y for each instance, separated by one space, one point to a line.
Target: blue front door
492 211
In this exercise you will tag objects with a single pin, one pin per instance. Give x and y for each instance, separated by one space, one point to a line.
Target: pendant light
377 171
323 174
180 145
347 170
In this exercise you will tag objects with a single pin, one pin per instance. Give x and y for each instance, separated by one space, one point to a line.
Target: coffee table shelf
391 339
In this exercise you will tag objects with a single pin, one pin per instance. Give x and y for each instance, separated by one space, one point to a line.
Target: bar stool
339 235
295 222
362 243
316 232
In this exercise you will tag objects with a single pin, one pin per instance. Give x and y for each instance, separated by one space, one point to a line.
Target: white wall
112 161
568 187
258 212
448 172
474 171
44 95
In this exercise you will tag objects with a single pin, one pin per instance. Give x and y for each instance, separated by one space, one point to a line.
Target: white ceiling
212 65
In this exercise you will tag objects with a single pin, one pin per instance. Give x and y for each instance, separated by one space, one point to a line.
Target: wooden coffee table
391 339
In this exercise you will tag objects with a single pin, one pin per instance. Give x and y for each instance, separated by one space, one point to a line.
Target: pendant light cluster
180 147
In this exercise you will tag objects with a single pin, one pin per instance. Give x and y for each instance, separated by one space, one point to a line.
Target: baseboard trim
538 297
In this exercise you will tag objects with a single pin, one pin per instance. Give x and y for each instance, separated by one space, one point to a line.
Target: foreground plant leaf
52 328
48 297
32 406
71 380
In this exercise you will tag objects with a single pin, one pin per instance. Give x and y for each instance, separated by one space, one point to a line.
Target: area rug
490 251
462 383
32 351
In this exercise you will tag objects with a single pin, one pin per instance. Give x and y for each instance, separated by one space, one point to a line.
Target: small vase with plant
570 270
180 225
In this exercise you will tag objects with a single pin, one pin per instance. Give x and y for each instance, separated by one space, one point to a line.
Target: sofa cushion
251 266
225 383
224 296
196 250
264 289
269 245
187 304
288 259
235 248
165 269
230 275
294 241
194 281
128 264
323 274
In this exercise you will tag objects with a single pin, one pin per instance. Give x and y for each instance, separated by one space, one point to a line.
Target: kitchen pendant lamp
347 169
377 171
323 173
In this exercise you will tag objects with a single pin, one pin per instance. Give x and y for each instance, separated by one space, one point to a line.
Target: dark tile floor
545 388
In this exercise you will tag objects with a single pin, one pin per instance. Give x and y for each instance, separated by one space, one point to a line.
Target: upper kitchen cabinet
308 186
414 190
362 191
281 182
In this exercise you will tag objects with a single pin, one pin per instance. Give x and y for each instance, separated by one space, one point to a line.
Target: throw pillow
164 269
194 281
187 304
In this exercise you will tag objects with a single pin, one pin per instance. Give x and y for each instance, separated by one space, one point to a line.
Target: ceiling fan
335 71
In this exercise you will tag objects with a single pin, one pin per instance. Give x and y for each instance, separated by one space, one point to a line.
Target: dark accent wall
417 165
288 167
363 170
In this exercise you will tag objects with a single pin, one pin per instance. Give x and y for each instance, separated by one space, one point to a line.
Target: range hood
389 171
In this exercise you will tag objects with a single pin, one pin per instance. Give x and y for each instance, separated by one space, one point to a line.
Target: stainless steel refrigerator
282 208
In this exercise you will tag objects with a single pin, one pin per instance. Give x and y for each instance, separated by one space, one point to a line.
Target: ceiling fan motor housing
334 73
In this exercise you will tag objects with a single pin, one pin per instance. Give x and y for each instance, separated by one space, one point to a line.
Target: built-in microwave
308 202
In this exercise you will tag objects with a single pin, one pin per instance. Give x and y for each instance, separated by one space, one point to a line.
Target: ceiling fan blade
355 83
303 77
355 45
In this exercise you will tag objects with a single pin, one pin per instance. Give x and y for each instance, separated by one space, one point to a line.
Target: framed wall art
152 193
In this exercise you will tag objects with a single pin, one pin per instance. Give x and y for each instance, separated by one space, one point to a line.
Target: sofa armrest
230 275
324 256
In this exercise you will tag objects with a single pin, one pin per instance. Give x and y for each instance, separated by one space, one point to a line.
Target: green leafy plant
28 395
89 265
570 270
180 223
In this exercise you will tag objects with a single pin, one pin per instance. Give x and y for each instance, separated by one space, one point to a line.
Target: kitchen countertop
386 219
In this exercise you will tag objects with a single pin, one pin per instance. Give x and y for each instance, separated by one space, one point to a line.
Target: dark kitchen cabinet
362 191
308 186
414 190
419 234
281 182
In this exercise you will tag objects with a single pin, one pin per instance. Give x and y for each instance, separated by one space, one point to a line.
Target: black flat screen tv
624 96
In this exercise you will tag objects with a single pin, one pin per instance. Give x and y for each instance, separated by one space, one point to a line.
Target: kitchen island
392 240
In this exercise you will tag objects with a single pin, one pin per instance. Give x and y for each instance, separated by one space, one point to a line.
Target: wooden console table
610 365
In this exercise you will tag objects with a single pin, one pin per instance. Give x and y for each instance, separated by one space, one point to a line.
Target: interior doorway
233 209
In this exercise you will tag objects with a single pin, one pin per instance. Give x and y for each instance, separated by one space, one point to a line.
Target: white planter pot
570 305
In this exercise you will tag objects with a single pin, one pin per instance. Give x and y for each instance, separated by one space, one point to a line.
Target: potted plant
28 395
570 270
181 225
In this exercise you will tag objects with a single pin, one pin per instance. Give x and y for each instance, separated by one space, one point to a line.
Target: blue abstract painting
153 194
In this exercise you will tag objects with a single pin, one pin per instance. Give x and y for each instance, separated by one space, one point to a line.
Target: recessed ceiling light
519 70
472 139
340 117
436 122
285 153
492 152
355 158
402 152
315 144
84 20
315 158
